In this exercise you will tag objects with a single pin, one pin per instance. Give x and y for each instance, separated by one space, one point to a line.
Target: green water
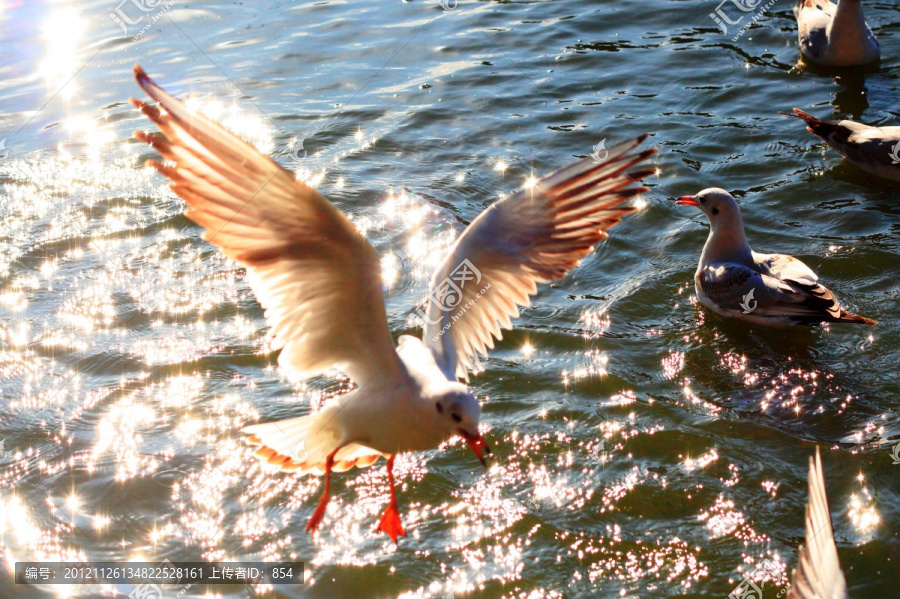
644 447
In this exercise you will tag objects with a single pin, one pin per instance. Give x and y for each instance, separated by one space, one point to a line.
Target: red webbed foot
390 521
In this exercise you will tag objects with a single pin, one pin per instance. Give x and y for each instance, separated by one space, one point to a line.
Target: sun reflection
62 33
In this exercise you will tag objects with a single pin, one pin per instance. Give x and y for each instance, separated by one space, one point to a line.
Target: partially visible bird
835 35
875 150
319 281
818 574
773 289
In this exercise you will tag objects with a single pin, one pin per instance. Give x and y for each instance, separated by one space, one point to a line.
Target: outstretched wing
818 574
534 236
317 278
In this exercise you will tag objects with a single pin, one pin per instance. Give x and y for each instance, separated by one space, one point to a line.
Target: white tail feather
303 443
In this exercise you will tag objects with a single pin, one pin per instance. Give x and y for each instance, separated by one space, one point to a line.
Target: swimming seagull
875 150
773 289
835 35
319 282
818 574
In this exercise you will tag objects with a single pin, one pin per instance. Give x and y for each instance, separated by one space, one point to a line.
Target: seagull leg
390 521
319 514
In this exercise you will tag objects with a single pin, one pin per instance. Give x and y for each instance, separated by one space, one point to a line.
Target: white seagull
319 282
773 289
835 35
818 574
875 150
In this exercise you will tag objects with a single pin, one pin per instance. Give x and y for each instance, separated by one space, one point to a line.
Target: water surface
645 447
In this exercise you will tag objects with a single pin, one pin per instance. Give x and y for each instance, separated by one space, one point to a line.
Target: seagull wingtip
142 78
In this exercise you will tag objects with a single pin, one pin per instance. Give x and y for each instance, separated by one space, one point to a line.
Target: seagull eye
439 407
457 418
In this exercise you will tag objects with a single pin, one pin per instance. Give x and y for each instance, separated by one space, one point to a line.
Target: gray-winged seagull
875 150
772 289
835 35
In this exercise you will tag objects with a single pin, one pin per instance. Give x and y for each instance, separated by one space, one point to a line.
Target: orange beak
476 442
687 201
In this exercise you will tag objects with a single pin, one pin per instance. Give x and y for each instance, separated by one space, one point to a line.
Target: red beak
476 442
687 201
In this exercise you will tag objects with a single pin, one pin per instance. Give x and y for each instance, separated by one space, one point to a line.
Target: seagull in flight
773 289
818 574
875 150
319 282
835 35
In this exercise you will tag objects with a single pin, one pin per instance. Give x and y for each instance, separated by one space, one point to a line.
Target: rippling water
645 448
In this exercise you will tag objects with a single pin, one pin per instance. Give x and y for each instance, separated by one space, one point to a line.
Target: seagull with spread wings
772 289
319 282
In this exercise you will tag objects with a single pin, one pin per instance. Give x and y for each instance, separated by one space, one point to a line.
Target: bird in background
818 574
876 150
319 282
772 289
835 35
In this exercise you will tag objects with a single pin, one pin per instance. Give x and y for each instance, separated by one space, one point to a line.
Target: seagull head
727 239
458 413
715 202
719 207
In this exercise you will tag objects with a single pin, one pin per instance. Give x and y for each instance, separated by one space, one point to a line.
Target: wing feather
534 236
818 574
315 275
